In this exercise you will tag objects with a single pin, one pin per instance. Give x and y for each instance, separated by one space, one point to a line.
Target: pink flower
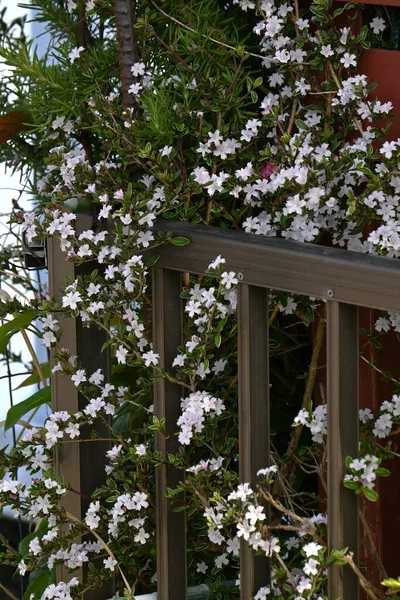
267 169
119 195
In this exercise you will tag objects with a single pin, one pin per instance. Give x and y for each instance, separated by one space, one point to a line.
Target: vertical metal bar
343 428
254 419
170 525
80 465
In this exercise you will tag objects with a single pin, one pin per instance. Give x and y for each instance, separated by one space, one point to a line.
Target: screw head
240 276
330 293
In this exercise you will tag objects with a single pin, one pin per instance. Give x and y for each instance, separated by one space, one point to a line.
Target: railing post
170 525
81 465
254 426
343 434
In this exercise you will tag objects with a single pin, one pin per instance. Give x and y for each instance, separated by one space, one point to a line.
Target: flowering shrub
263 125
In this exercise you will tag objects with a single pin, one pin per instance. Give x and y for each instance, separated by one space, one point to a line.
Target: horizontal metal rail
300 268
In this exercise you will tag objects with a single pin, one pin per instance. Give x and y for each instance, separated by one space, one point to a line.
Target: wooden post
81 465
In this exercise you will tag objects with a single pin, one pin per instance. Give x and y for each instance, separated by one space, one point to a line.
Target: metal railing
345 279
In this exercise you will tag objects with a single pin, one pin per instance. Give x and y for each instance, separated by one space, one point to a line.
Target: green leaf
152 261
382 472
351 485
392 583
348 462
370 494
39 398
35 377
301 124
5 340
22 320
38 586
180 241
10 328
217 340
254 96
39 532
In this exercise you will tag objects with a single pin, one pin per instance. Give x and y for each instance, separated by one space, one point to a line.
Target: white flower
221 560
22 567
72 430
348 60
311 567
201 567
150 358
138 69
388 148
312 549
110 563
267 471
254 514
79 377
262 593
229 279
201 175
121 355
34 546
217 263
377 25
219 365
49 338
327 51
75 53
135 89
141 450
179 361
141 537
365 415
166 151
71 300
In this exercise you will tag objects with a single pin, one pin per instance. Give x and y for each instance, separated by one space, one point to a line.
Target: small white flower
121 355
79 377
201 567
141 450
166 151
110 563
217 263
348 60
378 25
312 549
229 279
138 69
327 51
150 358
75 53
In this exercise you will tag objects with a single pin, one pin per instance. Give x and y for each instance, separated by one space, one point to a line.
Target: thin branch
371 591
105 546
297 431
6 591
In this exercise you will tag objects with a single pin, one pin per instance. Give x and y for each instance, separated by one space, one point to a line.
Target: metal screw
240 276
330 293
